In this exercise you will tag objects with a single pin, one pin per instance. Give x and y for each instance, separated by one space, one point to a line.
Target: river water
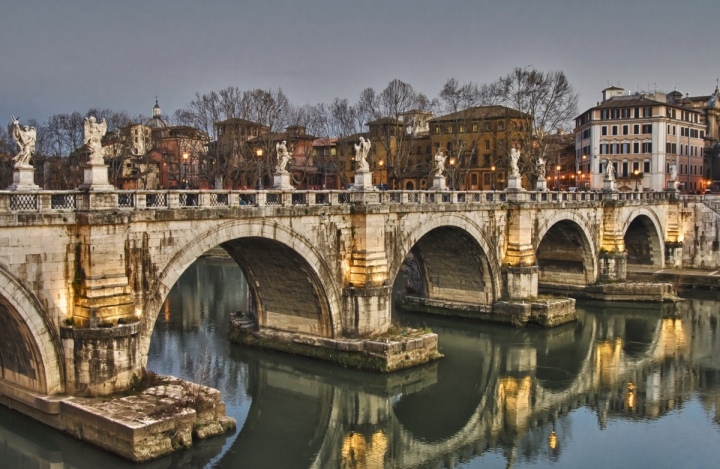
625 386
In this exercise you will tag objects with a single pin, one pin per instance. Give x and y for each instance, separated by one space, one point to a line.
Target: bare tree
550 103
397 118
464 108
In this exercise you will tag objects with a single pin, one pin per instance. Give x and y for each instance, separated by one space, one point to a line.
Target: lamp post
557 178
259 154
381 163
493 178
186 165
636 172
452 173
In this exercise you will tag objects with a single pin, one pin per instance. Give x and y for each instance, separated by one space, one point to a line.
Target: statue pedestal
281 182
541 185
439 184
514 184
609 185
24 179
363 182
95 178
672 186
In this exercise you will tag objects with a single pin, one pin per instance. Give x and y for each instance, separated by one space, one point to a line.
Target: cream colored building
641 134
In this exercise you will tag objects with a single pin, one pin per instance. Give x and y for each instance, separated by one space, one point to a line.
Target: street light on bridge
452 173
557 178
493 177
636 172
259 155
186 165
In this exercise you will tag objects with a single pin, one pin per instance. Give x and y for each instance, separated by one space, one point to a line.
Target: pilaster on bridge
321 264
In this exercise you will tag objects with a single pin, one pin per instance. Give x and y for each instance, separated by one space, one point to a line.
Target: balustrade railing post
203 199
260 198
233 199
404 198
173 199
310 198
140 200
44 202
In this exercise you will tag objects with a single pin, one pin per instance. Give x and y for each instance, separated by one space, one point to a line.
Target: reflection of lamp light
553 440
631 395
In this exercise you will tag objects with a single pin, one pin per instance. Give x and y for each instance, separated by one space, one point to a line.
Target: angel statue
541 167
673 173
361 152
93 138
514 158
610 171
25 139
283 156
439 163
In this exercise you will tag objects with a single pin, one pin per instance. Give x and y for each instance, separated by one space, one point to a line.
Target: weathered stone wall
701 234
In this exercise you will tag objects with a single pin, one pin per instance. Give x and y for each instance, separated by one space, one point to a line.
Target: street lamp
557 178
381 163
452 173
186 165
259 155
636 172
493 177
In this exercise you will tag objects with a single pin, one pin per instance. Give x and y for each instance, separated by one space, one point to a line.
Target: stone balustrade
57 201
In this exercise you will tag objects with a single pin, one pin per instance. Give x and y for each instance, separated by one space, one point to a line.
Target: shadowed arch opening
565 255
447 263
20 358
286 293
642 243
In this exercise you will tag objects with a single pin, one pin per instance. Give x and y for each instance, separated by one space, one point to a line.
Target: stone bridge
83 275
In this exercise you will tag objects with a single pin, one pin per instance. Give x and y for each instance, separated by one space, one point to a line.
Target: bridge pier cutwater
83 275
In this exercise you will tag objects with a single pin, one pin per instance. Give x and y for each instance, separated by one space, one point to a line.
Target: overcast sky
59 56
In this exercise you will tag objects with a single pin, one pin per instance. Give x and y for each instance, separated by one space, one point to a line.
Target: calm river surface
626 386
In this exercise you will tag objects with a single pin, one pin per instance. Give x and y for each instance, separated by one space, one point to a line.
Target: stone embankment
142 426
620 291
396 350
539 311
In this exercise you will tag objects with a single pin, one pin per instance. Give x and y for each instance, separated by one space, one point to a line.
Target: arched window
409 186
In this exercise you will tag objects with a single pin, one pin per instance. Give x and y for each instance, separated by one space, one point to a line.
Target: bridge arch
269 254
31 354
564 250
643 238
442 246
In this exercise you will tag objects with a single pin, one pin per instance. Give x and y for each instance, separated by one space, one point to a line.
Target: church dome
157 121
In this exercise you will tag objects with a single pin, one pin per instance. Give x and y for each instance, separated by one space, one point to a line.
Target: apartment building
641 134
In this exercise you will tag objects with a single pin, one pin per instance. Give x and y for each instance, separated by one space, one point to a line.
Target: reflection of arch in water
455 259
565 252
30 352
277 262
643 238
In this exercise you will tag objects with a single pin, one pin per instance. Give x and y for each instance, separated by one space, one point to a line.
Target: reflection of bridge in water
635 364
499 389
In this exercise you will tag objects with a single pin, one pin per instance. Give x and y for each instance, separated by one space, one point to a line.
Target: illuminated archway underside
565 255
20 359
642 243
276 273
453 267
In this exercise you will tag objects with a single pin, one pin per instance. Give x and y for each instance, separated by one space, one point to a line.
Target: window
636 147
603 130
626 148
646 166
419 150
501 125
626 113
668 129
604 114
637 113
474 128
486 161
626 129
702 134
647 112
647 128
487 144
674 148
603 148
614 148
614 129
647 147
462 128
428 150
449 129
586 133
437 129
636 129
625 168
616 113
636 166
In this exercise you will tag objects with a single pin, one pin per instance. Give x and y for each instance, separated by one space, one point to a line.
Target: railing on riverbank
58 201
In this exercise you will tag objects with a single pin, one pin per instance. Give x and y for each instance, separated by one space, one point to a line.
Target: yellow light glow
553 440
138 312
631 395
